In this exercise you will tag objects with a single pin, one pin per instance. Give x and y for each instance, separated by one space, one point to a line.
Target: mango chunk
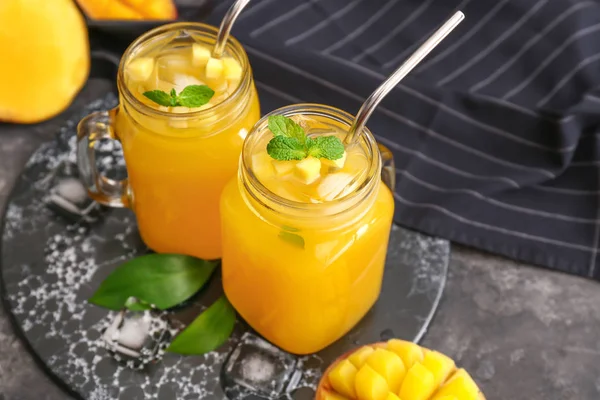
342 379
460 385
262 166
392 396
339 163
370 385
418 384
200 55
359 357
440 365
308 170
388 365
283 167
214 68
140 69
409 352
232 69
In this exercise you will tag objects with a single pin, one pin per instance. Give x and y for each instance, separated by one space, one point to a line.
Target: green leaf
284 126
195 96
292 238
134 304
164 280
329 147
207 332
285 148
159 97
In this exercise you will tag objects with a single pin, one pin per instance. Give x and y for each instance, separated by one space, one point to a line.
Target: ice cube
333 185
259 367
138 338
262 166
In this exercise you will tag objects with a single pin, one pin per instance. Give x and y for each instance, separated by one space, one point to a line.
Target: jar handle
95 127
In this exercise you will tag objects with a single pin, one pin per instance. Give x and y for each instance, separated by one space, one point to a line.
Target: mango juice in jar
180 152
304 241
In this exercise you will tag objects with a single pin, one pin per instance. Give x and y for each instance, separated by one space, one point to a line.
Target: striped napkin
495 135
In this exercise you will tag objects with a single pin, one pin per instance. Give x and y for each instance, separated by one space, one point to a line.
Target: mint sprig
191 96
291 143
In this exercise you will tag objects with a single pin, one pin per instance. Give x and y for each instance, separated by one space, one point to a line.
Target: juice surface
301 282
178 161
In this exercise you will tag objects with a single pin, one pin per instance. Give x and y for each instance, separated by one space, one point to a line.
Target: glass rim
330 112
212 31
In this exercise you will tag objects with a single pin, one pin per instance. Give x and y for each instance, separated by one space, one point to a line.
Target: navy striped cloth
495 135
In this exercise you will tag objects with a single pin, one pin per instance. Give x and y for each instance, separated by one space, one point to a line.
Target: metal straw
375 98
226 25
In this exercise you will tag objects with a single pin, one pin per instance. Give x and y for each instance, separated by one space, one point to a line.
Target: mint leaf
285 149
284 126
195 96
329 147
292 238
207 332
159 97
164 280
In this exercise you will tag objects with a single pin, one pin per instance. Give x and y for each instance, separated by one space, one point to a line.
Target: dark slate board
57 246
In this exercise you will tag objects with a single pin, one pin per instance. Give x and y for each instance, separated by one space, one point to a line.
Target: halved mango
409 352
370 385
45 58
460 385
343 377
419 383
388 365
440 365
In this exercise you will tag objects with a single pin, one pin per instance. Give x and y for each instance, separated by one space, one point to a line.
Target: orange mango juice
304 248
180 158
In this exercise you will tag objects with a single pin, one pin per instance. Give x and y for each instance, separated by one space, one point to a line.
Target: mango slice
200 55
370 385
232 69
460 385
359 357
283 167
129 9
409 352
214 68
388 365
308 170
45 58
440 365
342 379
419 383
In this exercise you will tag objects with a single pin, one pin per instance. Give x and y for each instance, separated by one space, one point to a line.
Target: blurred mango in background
129 9
45 58
44 47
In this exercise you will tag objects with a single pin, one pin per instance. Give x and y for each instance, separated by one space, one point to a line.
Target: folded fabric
495 134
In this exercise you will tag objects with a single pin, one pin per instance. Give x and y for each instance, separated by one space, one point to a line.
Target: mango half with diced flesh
396 370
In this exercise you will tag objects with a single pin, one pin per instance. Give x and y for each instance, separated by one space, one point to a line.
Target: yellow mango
418 383
370 385
388 365
308 170
45 58
342 379
460 385
409 352
129 9
359 357
440 365
200 55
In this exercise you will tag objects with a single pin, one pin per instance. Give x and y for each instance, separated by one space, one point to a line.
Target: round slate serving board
57 246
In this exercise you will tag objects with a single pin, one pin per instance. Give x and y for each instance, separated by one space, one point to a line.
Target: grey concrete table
524 332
